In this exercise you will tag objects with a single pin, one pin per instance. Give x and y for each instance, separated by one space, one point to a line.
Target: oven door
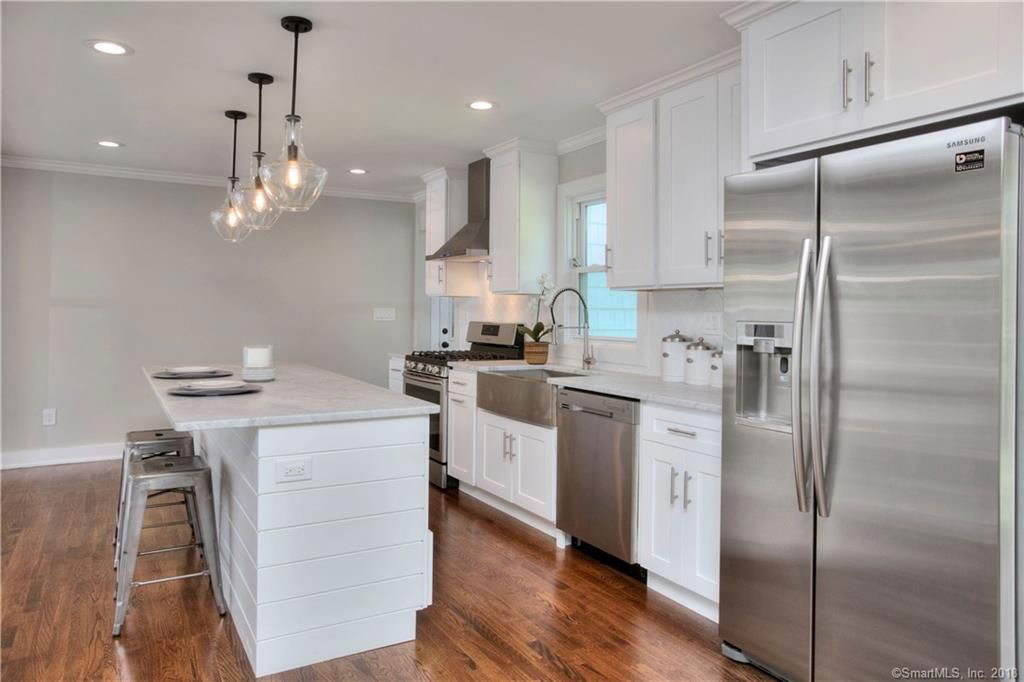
433 390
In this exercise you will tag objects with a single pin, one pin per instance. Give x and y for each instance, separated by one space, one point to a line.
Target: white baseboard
531 520
20 459
682 596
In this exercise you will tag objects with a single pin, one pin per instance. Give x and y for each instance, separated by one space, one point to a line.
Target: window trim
628 354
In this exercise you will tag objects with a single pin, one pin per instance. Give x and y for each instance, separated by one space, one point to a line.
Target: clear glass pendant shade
227 219
293 181
258 210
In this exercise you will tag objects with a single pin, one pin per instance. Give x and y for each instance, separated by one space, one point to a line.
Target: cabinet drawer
687 429
462 383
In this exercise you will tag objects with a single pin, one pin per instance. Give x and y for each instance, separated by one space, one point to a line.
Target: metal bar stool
145 444
157 474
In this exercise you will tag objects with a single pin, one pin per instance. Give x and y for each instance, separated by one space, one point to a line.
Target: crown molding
584 139
418 197
125 173
744 14
702 69
524 144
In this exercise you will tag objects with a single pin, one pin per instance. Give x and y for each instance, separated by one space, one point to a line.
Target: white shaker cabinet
800 61
630 177
444 214
680 498
524 186
517 462
688 220
461 429
396 366
920 58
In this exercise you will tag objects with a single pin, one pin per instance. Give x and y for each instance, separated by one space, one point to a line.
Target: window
613 314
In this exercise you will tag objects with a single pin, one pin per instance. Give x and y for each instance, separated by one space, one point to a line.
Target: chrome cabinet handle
681 432
397 370
490 271
504 444
707 248
459 383
796 371
459 401
721 246
868 63
686 489
672 497
847 70
817 444
608 257
511 446
440 266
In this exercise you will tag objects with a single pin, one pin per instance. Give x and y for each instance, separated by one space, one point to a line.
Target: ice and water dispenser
763 372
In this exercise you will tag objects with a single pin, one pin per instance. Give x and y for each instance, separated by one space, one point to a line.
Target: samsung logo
965 142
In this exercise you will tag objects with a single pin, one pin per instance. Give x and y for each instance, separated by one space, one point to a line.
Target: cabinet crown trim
442 172
694 72
744 14
584 139
523 144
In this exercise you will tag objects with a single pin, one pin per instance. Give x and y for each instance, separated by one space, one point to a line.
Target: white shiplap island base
320 484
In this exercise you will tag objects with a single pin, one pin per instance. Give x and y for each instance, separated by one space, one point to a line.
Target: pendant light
227 219
293 181
258 210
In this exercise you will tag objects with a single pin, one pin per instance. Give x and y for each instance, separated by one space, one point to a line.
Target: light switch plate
712 323
293 469
50 416
383 314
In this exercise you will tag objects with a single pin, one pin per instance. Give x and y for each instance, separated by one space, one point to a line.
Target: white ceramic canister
698 363
716 369
673 357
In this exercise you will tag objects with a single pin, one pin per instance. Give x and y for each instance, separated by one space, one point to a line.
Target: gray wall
581 163
101 275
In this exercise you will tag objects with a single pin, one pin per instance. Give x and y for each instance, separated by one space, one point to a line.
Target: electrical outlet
712 323
294 469
383 314
50 416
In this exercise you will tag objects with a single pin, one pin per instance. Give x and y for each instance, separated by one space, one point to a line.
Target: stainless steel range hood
472 241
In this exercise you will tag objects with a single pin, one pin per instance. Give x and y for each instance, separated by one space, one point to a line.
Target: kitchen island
320 486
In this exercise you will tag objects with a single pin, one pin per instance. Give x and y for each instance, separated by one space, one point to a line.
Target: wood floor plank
508 605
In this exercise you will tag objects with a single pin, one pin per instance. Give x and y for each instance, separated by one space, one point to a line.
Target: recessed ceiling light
357 171
481 105
110 143
109 47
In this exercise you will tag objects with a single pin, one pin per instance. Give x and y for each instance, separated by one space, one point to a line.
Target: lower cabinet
395 368
679 515
461 437
517 462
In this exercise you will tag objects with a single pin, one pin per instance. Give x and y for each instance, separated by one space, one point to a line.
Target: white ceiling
382 86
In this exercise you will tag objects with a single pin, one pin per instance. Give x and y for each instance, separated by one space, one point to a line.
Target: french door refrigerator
870 410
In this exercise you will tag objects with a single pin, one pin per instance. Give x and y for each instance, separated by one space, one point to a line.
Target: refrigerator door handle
796 372
817 443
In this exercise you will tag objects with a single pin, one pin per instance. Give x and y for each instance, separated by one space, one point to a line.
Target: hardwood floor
507 605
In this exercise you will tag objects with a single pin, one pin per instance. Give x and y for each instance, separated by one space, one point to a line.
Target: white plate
214 383
191 370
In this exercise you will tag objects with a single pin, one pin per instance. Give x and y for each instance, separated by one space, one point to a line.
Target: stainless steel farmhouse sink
521 394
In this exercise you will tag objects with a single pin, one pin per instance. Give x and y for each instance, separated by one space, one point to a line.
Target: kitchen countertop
301 394
640 386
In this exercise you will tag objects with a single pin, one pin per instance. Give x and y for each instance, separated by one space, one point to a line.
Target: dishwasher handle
607 414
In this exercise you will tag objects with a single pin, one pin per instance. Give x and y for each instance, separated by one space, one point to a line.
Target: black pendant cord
234 155
259 126
295 69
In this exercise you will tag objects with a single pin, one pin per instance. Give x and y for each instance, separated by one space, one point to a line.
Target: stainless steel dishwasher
597 470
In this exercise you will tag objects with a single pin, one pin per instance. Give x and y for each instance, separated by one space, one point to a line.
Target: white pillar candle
258 356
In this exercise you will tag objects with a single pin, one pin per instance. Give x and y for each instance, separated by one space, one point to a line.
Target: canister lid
717 354
698 345
675 337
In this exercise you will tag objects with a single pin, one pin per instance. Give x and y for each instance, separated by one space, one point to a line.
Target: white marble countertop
639 386
301 394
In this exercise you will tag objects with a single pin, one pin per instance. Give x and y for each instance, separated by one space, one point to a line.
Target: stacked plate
191 372
211 387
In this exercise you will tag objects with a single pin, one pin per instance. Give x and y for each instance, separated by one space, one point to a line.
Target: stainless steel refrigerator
871 409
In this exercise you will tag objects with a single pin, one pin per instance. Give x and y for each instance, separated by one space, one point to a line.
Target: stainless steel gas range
426 378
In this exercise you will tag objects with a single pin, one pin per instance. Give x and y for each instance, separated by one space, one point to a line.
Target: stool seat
162 466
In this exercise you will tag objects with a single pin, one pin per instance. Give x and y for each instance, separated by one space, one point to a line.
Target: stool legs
208 537
130 531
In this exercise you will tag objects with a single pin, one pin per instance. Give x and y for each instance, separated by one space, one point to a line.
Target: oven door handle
422 382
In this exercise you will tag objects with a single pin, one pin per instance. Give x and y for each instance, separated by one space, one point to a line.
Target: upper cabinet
666 159
629 174
834 72
444 213
524 186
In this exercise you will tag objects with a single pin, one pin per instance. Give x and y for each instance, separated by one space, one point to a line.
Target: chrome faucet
588 355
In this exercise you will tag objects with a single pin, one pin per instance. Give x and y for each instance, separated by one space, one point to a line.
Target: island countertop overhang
301 394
